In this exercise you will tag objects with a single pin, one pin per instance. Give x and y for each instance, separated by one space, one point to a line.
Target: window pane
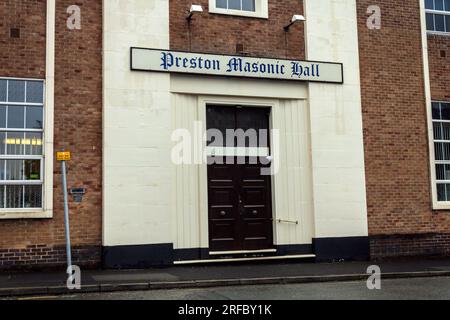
442 150
14 170
15 143
447 5
443 172
430 22
437 130
439 22
429 4
32 170
221 4
16 117
445 131
248 5
438 151
447 23
445 111
234 4
33 144
35 92
446 151
2 90
441 190
438 4
14 197
34 118
33 196
440 172
2 197
2 116
2 172
436 110
16 91
2 142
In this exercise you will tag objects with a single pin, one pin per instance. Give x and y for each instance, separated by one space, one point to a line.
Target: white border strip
300 256
49 108
222 253
427 88
237 152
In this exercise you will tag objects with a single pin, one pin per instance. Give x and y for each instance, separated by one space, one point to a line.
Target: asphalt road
391 289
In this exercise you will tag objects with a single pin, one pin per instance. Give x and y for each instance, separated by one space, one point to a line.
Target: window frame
438 205
261 10
437 12
9 212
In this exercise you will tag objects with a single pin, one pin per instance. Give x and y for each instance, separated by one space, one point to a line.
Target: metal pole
66 218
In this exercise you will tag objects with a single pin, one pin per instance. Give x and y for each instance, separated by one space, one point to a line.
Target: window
251 120
248 8
21 143
441 135
438 15
244 5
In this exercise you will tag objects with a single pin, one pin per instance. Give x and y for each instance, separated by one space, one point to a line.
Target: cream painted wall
292 192
336 122
137 126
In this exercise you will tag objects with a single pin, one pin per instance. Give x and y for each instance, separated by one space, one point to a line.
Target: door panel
256 208
223 207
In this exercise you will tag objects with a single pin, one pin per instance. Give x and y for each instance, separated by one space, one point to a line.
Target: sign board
235 66
63 156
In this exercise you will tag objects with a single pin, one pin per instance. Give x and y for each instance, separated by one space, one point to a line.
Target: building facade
353 100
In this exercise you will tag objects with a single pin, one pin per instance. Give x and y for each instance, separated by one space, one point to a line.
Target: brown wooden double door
240 207
239 197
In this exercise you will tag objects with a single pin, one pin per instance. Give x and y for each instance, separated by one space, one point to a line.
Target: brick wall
38 256
395 134
439 62
29 17
216 33
423 244
78 128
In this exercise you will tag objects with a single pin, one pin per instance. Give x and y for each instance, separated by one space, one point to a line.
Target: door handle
241 207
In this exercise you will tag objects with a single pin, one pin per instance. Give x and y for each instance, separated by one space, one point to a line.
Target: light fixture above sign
295 18
194 8
234 66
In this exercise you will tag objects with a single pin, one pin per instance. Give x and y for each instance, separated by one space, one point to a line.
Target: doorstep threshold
222 253
300 256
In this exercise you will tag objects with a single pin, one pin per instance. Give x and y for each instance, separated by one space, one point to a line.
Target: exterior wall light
194 8
295 18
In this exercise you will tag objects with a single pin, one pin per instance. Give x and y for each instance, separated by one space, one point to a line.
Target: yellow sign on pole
63 156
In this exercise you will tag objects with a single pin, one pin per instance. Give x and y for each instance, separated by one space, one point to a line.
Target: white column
336 122
137 170
49 107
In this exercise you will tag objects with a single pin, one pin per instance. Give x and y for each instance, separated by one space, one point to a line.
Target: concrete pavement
43 283
391 289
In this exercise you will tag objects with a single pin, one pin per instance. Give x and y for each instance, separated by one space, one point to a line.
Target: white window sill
26 214
441 206
438 33
240 13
